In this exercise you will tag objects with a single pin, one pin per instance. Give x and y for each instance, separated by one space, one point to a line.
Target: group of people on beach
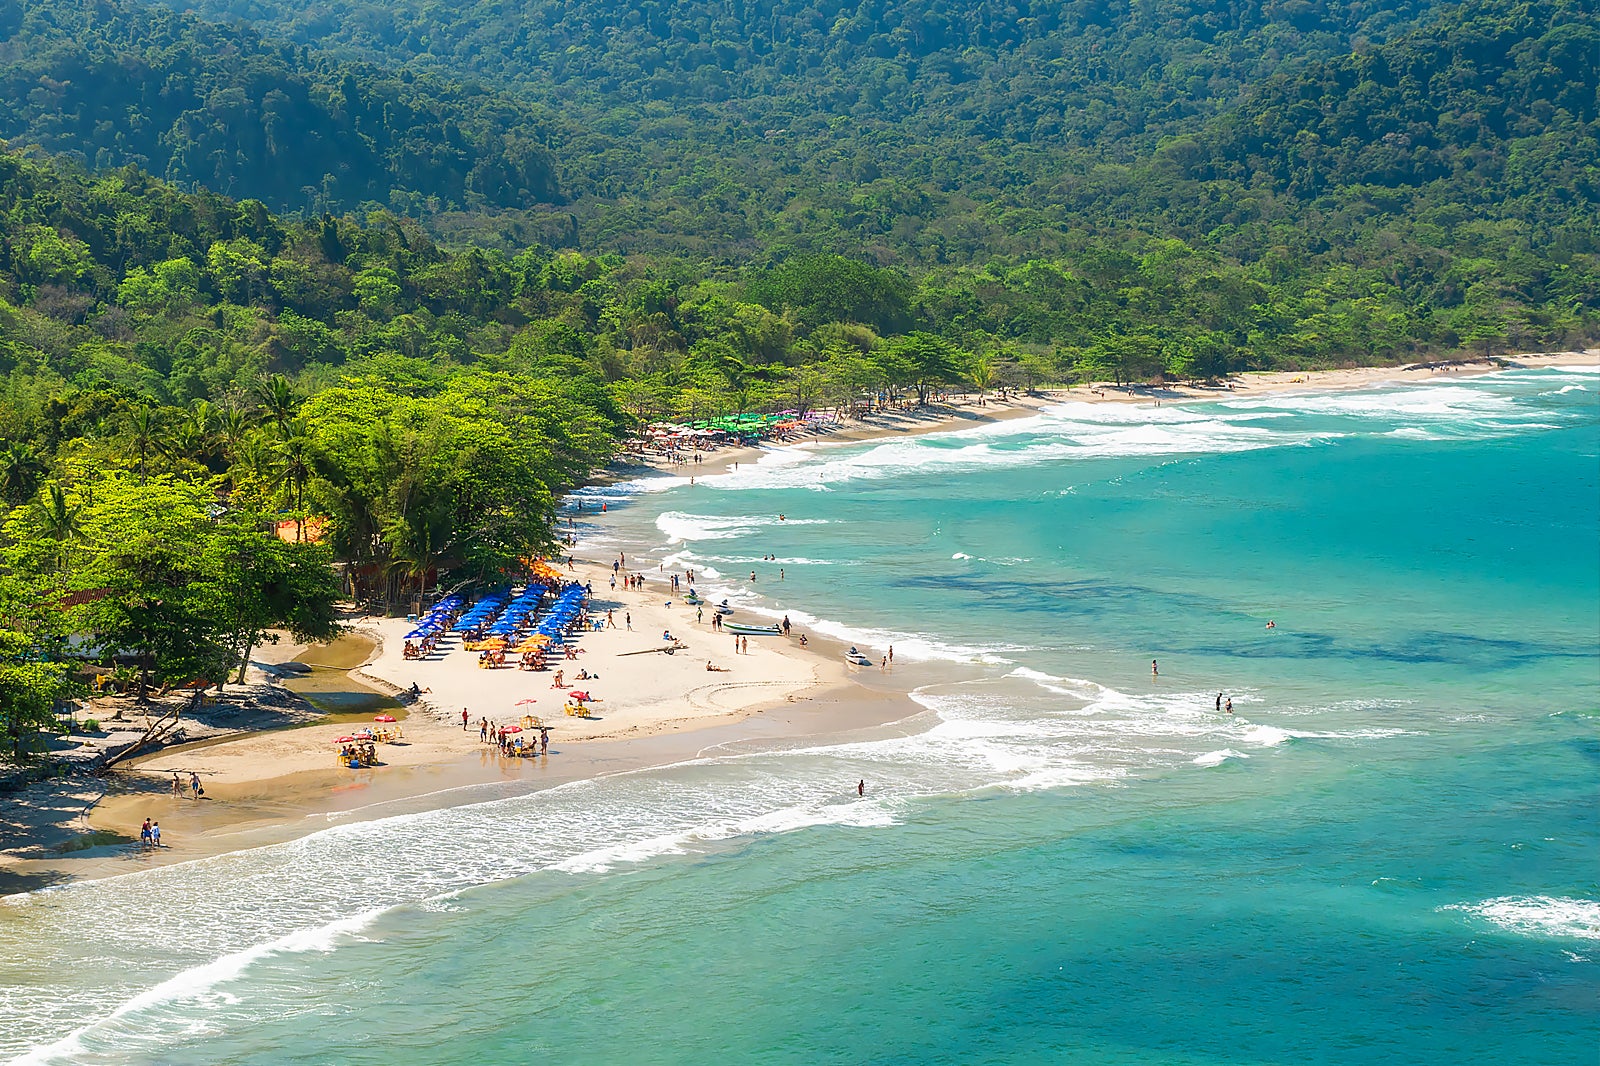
512 743
150 834
194 784
364 752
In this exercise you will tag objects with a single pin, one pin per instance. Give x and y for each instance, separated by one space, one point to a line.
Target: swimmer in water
1271 624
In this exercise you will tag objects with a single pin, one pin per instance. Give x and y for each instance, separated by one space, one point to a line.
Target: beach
652 707
1018 844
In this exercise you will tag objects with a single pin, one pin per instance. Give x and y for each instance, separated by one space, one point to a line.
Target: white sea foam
196 984
681 526
1108 433
1571 388
915 647
1576 369
1551 916
1217 758
601 860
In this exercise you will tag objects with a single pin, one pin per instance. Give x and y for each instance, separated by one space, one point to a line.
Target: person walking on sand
891 655
483 730
155 834
144 833
627 620
177 784
611 619
464 719
194 785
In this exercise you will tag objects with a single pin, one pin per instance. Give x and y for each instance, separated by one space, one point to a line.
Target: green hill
202 105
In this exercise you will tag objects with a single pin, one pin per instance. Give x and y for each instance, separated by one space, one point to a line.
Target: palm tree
417 541
297 467
233 425
277 400
145 439
20 470
983 374
62 522
198 433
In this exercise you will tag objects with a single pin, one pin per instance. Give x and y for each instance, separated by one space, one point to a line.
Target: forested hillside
418 269
113 83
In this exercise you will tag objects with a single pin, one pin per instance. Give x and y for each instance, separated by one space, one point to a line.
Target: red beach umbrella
513 729
383 718
345 740
521 703
575 694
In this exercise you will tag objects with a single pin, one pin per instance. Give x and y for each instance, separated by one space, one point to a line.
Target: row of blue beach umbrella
438 618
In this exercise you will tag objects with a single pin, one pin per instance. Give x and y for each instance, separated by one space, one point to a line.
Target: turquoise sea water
1390 853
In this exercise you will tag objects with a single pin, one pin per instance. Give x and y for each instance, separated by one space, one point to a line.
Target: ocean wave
1579 369
913 647
1064 441
873 815
1571 388
681 526
1061 686
1548 916
194 984
1217 758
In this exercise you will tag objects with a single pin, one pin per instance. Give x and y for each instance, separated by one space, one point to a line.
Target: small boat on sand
740 629
855 657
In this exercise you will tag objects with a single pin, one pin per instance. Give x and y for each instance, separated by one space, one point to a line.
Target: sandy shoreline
654 709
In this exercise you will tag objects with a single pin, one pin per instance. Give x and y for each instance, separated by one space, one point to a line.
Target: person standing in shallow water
1154 672
861 787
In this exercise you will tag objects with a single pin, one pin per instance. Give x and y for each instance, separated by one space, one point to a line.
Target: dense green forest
206 106
418 270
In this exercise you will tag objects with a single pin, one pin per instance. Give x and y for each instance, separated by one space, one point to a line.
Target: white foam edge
1218 757
866 815
198 981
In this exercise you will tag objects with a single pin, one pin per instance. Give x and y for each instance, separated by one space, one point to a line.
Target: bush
91 725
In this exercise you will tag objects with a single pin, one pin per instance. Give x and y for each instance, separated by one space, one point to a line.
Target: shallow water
1386 853
329 687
